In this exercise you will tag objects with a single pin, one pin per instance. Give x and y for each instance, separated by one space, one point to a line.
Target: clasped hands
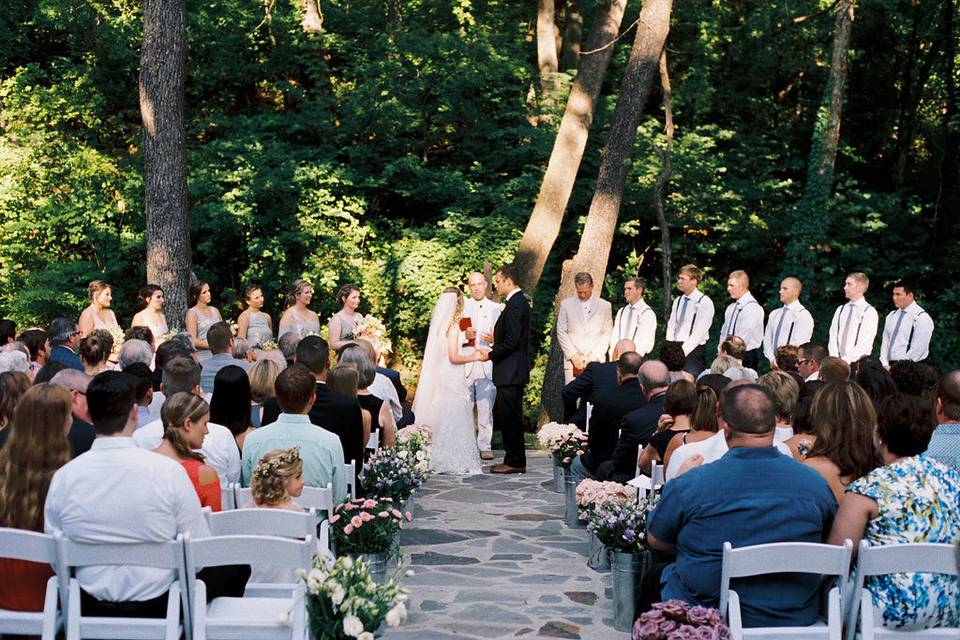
481 355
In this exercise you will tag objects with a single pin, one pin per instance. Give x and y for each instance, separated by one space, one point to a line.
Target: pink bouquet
677 620
592 493
366 525
572 445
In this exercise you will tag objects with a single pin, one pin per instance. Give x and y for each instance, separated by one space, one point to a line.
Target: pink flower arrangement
572 445
677 620
592 493
366 525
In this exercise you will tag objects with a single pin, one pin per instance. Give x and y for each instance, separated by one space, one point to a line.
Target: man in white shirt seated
117 493
219 447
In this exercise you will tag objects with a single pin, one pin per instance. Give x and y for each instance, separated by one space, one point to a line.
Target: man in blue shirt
65 340
752 495
945 444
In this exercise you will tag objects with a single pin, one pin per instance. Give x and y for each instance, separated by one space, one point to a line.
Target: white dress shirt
790 324
219 448
382 388
693 329
483 316
712 449
640 326
118 493
853 329
744 318
911 341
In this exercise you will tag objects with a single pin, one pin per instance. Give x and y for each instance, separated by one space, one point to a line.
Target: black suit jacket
608 411
394 377
597 379
635 430
335 413
511 341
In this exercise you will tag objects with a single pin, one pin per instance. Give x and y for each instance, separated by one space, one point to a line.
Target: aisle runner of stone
493 559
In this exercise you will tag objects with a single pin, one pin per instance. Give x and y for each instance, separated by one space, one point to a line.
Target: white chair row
845 600
234 496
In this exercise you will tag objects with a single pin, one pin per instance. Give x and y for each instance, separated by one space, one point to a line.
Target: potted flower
548 436
344 602
566 449
677 620
620 524
415 440
394 473
367 528
590 495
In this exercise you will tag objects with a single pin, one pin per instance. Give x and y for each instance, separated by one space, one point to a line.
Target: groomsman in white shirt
690 318
584 324
743 317
790 324
636 321
483 314
907 330
854 324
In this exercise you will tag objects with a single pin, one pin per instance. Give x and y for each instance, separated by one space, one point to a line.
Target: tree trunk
661 183
312 21
547 216
810 222
572 34
394 15
546 46
947 206
162 81
594 250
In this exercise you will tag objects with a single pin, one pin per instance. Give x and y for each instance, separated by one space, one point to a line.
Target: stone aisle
493 559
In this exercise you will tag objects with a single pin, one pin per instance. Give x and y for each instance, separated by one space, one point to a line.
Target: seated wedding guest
65 340
672 355
874 379
15 360
98 314
38 344
843 418
47 371
8 331
288 346
13 384
703 420
608 414
243 351
219 447
320 449
298 318
135 350
345 380
735 347
230 404
803 434
786 357
777 500
150 313
355 354
730 368
140 333
148 498
253 325
678 408
595 380
910 498
786 392
382 387
37 448
333 412
95 351
200 317
342 323
914 378
185 419
277 480
143 390
834 369
220 340
263 378
166 352
638 425
810 356
82 433
945 442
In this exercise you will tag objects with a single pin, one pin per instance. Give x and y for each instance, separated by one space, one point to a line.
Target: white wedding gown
442 400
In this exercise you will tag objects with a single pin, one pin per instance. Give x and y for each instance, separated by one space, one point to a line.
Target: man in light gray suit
584 325
483 314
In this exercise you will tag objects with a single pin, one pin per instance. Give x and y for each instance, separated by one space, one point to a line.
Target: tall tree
312 20
162 80
547 46
557 185
948 206
661 183
594 250
808 227
572 34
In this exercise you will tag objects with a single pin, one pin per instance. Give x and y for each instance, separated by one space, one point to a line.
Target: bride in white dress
442 401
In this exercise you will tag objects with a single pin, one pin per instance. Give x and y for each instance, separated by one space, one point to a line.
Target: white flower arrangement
370 327
553 433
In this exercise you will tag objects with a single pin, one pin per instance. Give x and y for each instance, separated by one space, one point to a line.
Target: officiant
479 315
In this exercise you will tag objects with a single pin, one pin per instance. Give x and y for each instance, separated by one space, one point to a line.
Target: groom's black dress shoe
502 468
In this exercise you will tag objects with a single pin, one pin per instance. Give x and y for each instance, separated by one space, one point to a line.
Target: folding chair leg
49 630
73 611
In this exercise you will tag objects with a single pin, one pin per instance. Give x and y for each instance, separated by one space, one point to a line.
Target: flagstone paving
493 559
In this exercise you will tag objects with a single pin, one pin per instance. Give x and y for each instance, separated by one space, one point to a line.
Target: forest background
400 144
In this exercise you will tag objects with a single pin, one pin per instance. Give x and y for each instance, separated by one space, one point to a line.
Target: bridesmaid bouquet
374 330
677 620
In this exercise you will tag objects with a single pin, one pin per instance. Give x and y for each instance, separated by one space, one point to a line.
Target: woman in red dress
184 417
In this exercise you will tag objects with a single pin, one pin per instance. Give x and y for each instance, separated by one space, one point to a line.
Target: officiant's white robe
483 315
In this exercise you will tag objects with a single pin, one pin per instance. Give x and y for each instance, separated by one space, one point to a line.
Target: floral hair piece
266 467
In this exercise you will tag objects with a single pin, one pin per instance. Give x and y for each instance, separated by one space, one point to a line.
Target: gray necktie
625 329
893 336
846 330
776 334
683 312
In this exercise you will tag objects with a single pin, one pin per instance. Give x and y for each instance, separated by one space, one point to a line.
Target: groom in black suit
511 370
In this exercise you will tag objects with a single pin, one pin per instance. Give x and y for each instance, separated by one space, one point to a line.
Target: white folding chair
656 476
896 558
271 522
349 471
319 498
159 555
374 440
227 496
248 618
17 544
589 413
785 557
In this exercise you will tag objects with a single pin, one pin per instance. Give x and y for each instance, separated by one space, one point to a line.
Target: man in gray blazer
584 325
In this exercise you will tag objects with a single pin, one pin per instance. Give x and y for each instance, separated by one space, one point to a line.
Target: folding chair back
374 440
227 496
349 471
589 412
319 498
17 544
263 522
656 475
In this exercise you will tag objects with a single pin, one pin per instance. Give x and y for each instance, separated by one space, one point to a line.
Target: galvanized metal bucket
626 570
376 563
571 512
599 558
557 477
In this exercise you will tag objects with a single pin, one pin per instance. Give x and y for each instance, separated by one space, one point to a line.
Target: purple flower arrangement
393 473
620 524
677 620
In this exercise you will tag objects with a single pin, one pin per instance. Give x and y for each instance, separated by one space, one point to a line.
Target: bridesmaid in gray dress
253 324
200 317
298 318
